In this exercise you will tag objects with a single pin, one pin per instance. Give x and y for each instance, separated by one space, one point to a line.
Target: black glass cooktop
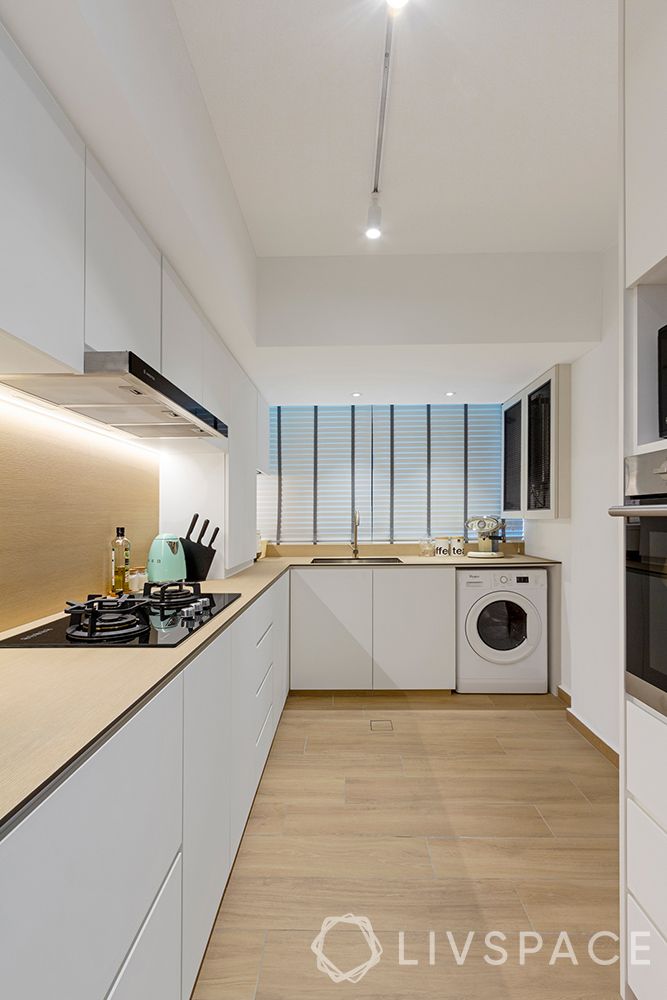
164 616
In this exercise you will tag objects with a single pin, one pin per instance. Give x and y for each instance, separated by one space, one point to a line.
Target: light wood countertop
56 703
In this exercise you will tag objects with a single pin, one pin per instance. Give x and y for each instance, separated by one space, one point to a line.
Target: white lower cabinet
647 969
153 967
281 641
384 629
414 628
82 871
206 794
332 629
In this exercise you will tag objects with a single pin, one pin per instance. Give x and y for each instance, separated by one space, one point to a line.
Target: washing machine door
503 627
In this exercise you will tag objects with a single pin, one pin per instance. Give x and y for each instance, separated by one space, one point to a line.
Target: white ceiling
501 130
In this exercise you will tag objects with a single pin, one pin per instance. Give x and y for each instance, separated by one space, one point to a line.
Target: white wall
590 544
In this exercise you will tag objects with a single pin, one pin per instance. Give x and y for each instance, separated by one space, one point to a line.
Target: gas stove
164 615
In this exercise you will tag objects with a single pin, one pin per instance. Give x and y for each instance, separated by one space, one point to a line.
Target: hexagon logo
325 964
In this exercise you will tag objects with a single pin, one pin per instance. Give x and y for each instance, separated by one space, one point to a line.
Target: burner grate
108 619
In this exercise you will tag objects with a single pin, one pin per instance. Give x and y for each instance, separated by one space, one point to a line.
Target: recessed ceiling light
356 395
374 223
396 4
450 394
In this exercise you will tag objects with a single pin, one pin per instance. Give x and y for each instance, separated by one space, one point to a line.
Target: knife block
198 559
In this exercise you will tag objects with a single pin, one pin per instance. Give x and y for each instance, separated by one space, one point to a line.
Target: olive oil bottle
120 562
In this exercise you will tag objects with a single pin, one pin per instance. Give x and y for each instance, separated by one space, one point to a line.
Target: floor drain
382 725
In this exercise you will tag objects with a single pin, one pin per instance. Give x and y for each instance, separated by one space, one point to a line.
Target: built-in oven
645 513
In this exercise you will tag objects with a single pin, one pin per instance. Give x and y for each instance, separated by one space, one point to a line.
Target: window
411 472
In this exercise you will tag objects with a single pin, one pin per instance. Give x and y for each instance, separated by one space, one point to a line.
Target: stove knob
189 612
199 607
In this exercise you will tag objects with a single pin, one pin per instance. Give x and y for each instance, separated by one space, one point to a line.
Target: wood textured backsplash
63 491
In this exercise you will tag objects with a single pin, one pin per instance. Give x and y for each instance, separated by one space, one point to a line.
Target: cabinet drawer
647 865
646 753
263 744
647 982
153 968
263 703
81 872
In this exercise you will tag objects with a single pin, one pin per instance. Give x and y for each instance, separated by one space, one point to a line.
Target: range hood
119 389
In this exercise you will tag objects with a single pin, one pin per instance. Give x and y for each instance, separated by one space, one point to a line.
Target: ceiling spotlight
374 222
396 4
356 395
450 394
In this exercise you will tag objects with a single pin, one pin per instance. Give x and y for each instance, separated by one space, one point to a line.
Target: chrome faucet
355 534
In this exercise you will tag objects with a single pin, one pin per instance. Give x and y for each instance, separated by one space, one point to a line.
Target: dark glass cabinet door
512 458
539 448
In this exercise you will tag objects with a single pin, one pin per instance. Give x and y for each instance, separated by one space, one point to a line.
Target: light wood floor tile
585 819
490 786
231 967
585 906
604 789
557 858
337 856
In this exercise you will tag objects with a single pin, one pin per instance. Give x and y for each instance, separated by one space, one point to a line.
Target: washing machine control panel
494 580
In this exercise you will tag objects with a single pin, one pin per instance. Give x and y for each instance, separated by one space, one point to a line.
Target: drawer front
647 865
255 620
646 754
647 982
263 744
81 872
153 967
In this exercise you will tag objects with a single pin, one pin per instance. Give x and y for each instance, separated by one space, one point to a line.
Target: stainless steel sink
361 561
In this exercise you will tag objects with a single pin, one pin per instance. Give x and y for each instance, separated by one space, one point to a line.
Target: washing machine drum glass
503 625
504 628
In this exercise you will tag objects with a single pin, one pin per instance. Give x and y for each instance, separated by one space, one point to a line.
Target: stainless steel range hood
119 389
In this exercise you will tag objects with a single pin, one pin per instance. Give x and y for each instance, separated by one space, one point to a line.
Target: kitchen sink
362 561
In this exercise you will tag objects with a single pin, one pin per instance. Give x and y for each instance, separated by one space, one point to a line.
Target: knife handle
192 525
203 531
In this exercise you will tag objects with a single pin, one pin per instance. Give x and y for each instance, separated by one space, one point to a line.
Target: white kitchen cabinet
206 796
42 190
219 367
263 442
241 536
123 274
81 872
646 743
645 139
331 629
414 628
536 448
647 970
647 865
153 967
281 624
184 334
252 706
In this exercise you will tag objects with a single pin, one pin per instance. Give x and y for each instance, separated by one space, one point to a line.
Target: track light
374 222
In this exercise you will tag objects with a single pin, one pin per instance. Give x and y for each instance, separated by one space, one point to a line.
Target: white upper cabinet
42 190
218 376
184 335
536 448
263 443
645 139
123 278
241 539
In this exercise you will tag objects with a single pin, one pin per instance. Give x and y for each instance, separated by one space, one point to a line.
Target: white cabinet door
647 865
80 873
218 375
206 796
241 538
153 967
332 629
42 190
281 615
263 443
252 706
184 334
647 970
414 623
646 748
645 141
123 280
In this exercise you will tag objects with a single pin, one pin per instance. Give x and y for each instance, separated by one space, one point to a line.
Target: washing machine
502 631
